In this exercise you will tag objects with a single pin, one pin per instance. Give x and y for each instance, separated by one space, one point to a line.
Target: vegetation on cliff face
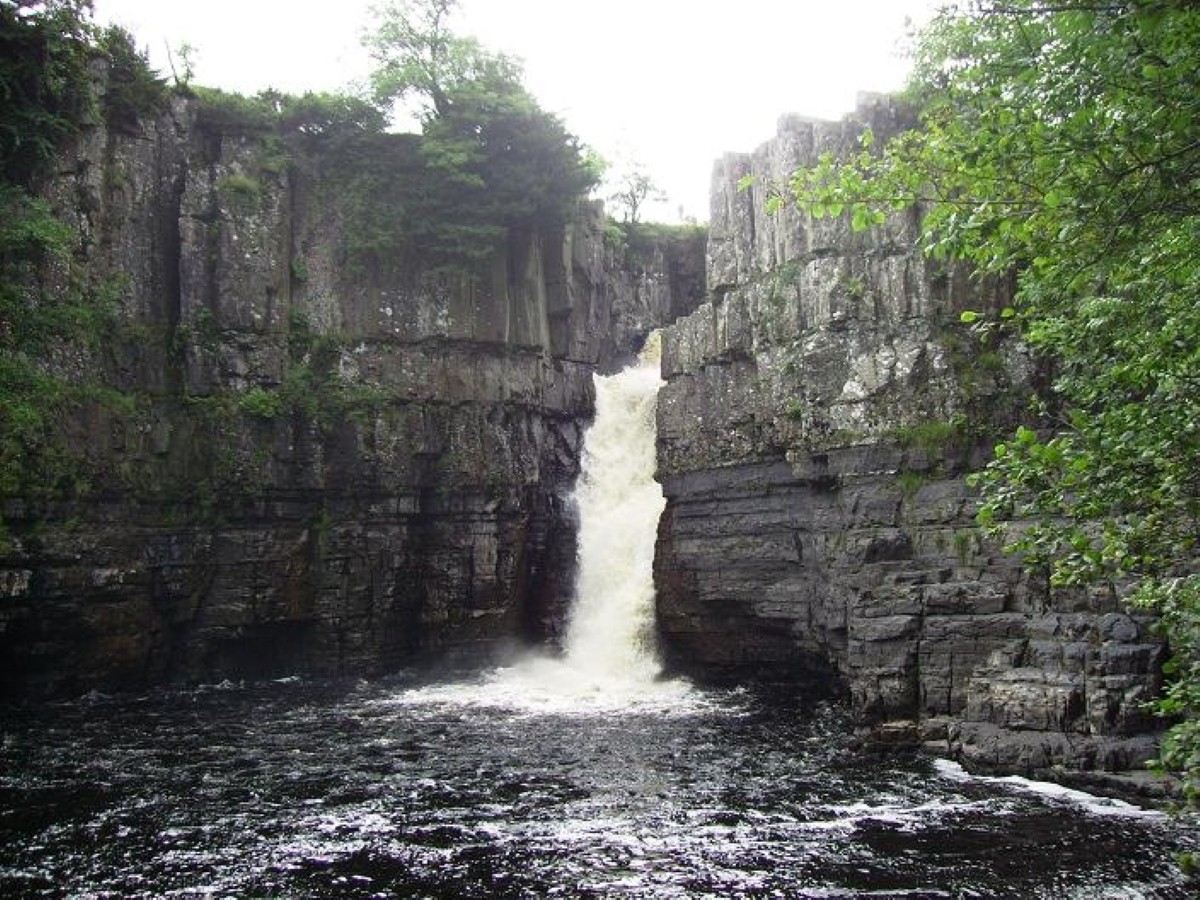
316 117
1062 141
51 308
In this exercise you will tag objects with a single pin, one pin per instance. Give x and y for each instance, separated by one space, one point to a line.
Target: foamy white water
1100 806
610 660
611 631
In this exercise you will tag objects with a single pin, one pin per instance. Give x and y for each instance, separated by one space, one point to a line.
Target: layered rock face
329 457
821 412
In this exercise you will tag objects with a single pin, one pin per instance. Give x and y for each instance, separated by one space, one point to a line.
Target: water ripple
481 789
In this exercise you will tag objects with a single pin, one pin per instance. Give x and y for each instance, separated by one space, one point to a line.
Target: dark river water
507 789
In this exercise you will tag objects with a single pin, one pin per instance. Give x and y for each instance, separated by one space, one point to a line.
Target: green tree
495 160
420 60
183 75
327 115
633 189
134 91
1061 140
44 90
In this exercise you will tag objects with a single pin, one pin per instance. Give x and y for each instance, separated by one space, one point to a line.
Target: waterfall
610 633
609 661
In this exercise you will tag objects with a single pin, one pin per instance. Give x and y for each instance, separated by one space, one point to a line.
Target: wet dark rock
408 498
821 412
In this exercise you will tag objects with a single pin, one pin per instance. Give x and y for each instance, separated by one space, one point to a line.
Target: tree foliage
134 90
311 115
420 60
633 189
44 52
495 159
1061 140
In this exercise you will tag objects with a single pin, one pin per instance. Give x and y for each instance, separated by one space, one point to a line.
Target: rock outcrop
327 456
820 415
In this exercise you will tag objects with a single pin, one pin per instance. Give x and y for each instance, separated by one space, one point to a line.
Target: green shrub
222 112
933 434
262 403
911 482
241 191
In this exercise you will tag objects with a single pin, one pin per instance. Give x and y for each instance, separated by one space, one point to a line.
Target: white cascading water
610 634
609 660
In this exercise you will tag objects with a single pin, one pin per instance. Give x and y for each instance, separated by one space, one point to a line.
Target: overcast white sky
670 84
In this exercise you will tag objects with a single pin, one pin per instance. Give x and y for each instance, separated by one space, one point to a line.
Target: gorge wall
310 451
821 412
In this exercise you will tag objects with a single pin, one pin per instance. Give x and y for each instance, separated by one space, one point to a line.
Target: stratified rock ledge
821 413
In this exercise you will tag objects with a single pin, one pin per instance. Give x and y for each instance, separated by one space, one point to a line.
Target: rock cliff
310 449
821 412
325 454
